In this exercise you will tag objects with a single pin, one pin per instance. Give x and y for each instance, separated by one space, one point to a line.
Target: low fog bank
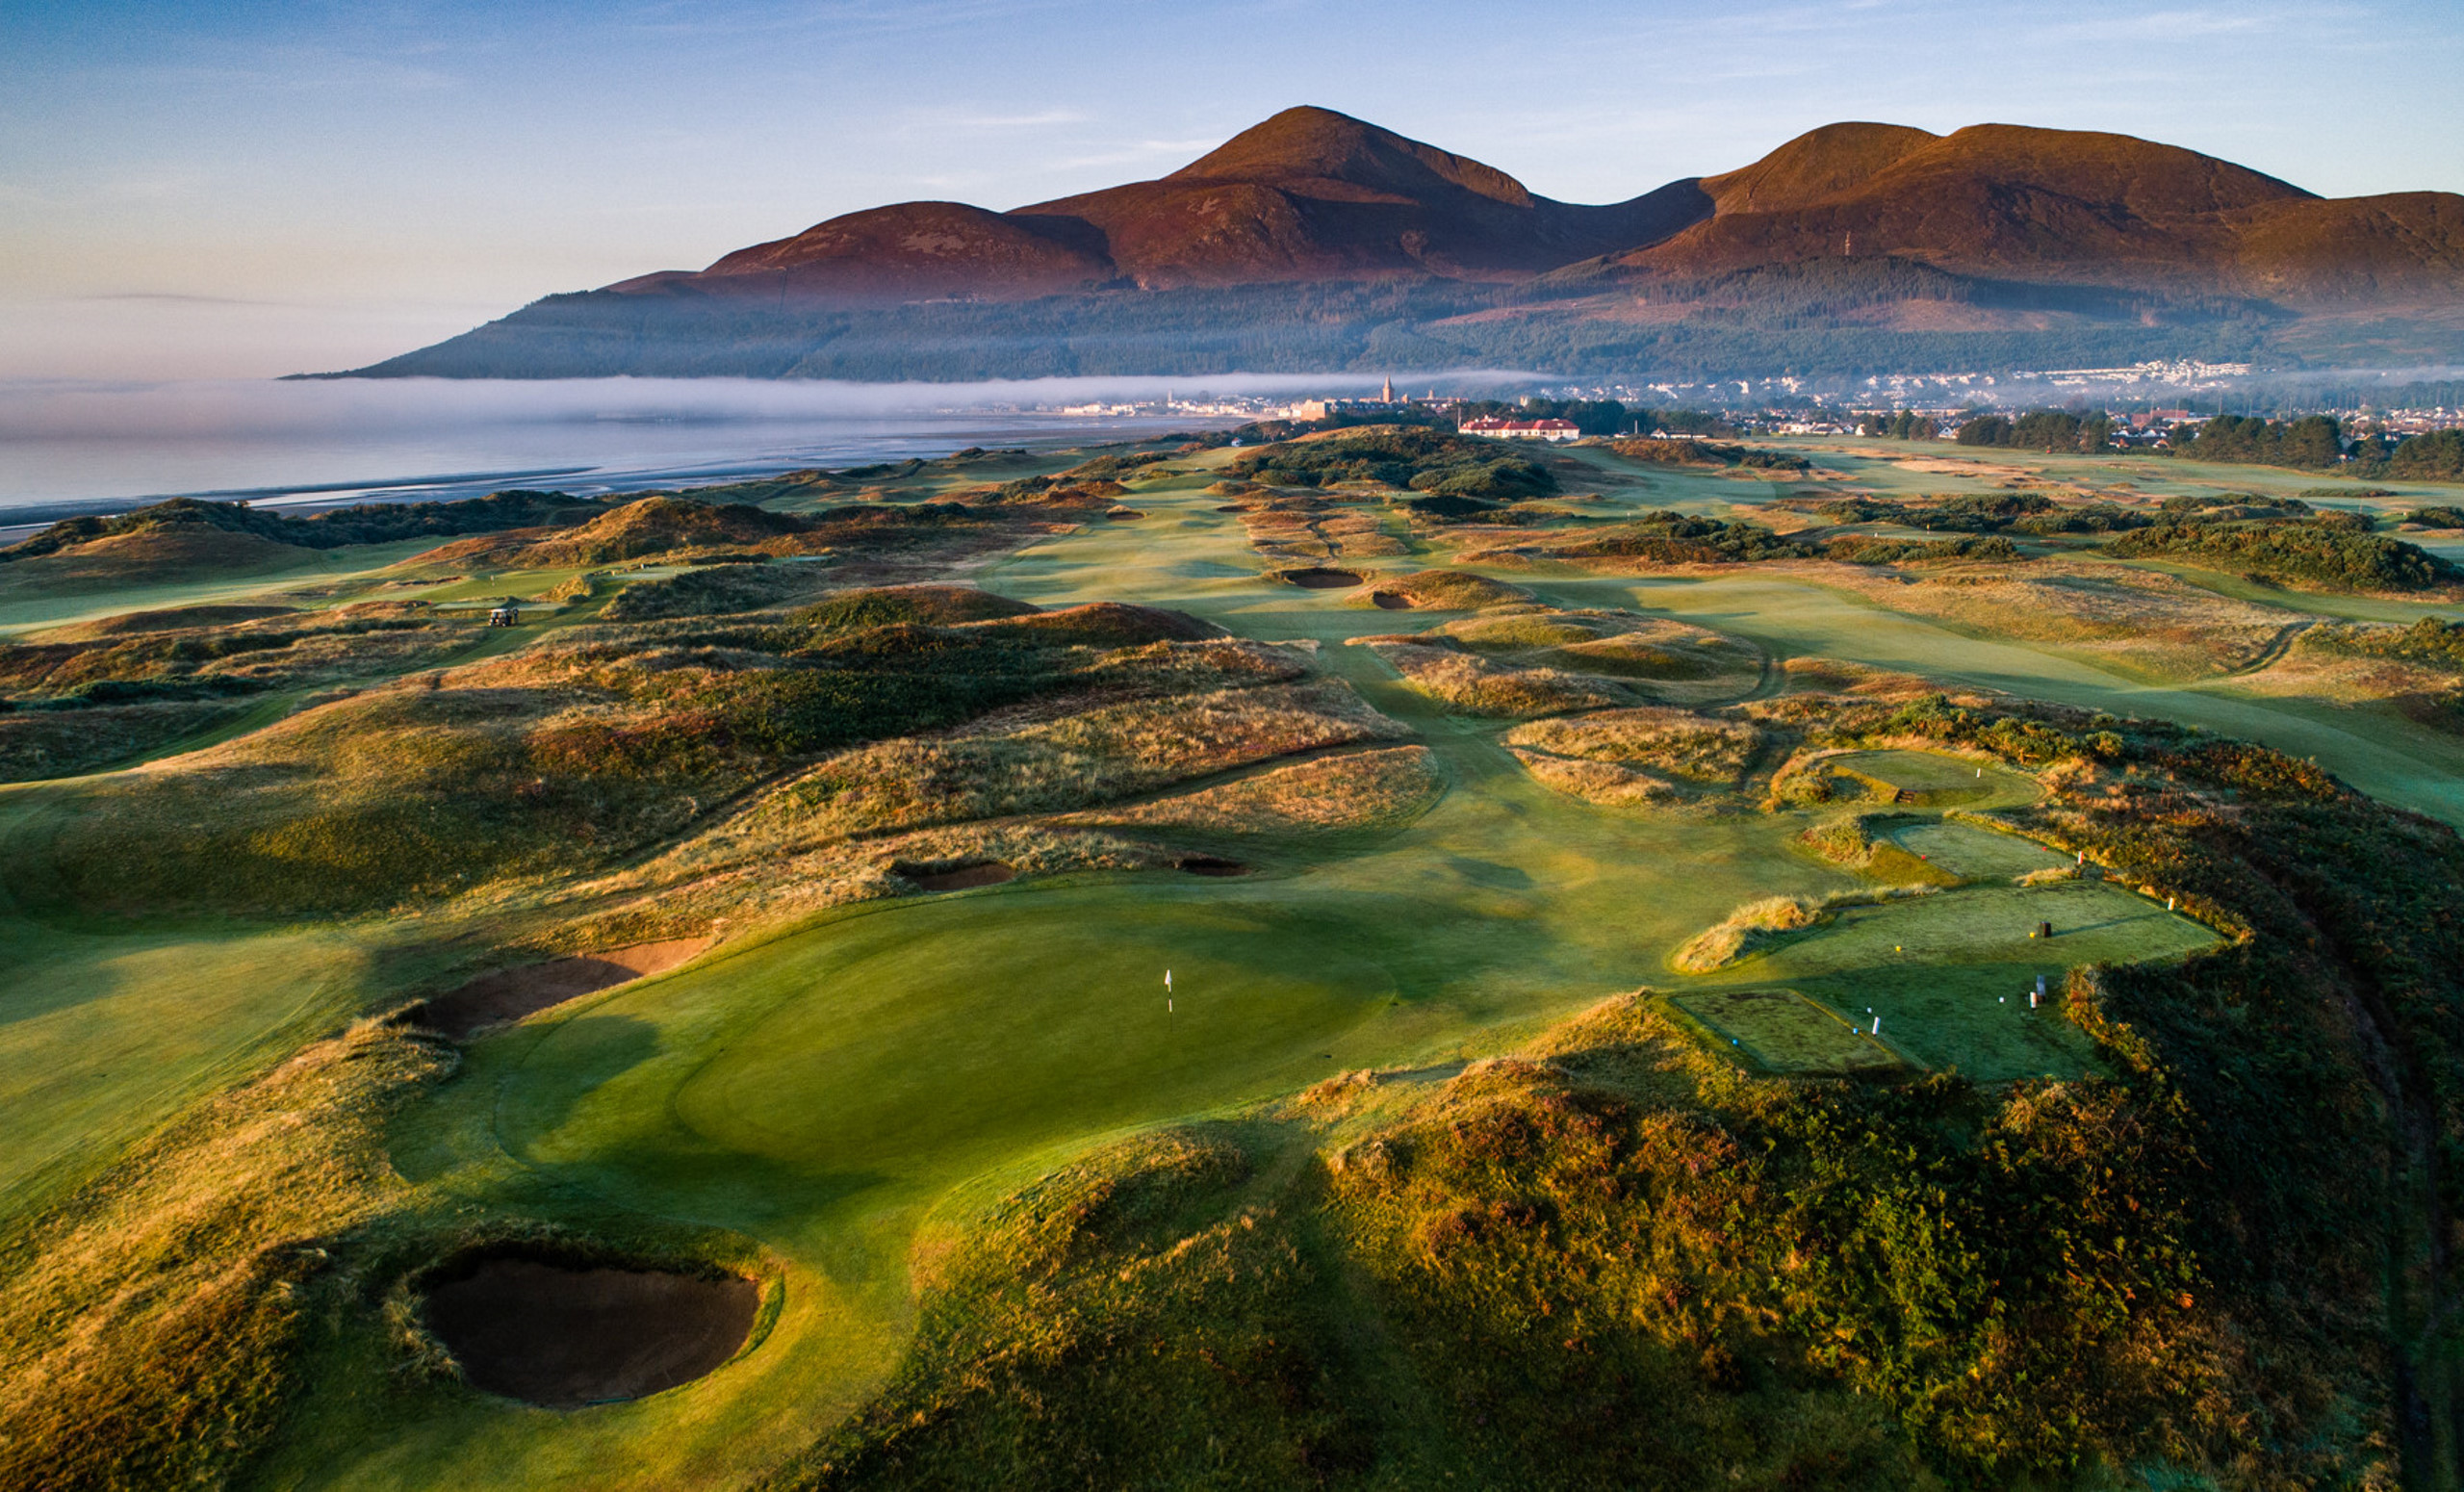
95 446
38 410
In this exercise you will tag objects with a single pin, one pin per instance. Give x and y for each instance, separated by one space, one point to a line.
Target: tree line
2310 442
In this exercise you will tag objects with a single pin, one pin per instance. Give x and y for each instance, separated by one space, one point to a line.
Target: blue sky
244 189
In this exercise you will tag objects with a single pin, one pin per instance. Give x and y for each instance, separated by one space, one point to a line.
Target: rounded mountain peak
2154 181
1313 143
1815 166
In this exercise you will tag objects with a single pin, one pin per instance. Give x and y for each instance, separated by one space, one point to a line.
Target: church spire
1389 389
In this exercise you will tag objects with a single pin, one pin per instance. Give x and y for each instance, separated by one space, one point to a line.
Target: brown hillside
911 249
1309 194
1314 194
2008 202
2395 246
1815 166
1857 226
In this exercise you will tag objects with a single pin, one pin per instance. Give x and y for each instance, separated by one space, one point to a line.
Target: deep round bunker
955 876
563 1337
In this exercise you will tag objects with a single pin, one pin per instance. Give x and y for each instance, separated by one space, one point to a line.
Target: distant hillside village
1470 420
2423 440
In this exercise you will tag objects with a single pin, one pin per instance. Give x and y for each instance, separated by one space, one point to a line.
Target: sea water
89 446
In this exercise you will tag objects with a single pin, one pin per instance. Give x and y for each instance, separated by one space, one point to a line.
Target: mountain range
1316 241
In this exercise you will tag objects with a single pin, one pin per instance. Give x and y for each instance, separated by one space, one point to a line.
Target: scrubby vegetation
1378 787
1676 742
1520 662
1437 590
1487 689
1865 550
95 696
1438 463
1967 512
2431 640
1677 451
2311 553
149 1330
2140 621
1671 538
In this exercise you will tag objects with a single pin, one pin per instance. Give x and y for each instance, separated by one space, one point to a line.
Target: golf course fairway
845 1083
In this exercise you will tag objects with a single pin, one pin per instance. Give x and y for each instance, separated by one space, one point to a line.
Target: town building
1521 429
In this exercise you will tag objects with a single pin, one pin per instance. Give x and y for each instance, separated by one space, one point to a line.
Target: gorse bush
1669 537
1862 550
2321 553
1433 461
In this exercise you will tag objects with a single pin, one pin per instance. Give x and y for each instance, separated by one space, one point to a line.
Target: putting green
936 1039
1939 782
1950 973
1971 853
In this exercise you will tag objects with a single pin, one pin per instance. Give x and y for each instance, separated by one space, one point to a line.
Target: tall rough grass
1742 933
1675 741
148 1327
1474 685
1048 766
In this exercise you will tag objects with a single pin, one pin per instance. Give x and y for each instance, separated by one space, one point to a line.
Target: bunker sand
568 1337
509 994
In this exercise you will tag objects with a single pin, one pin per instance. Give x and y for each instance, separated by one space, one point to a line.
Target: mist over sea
93 447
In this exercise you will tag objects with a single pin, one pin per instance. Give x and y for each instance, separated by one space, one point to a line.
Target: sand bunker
1318 577
567 1337
1122 515
956 878
511 993
1388 601
1210 865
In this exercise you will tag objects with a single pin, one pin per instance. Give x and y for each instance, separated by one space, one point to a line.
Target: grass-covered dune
374 522
575 750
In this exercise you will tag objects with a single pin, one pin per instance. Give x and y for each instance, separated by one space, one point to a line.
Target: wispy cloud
175 297
1142 150
1046 118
